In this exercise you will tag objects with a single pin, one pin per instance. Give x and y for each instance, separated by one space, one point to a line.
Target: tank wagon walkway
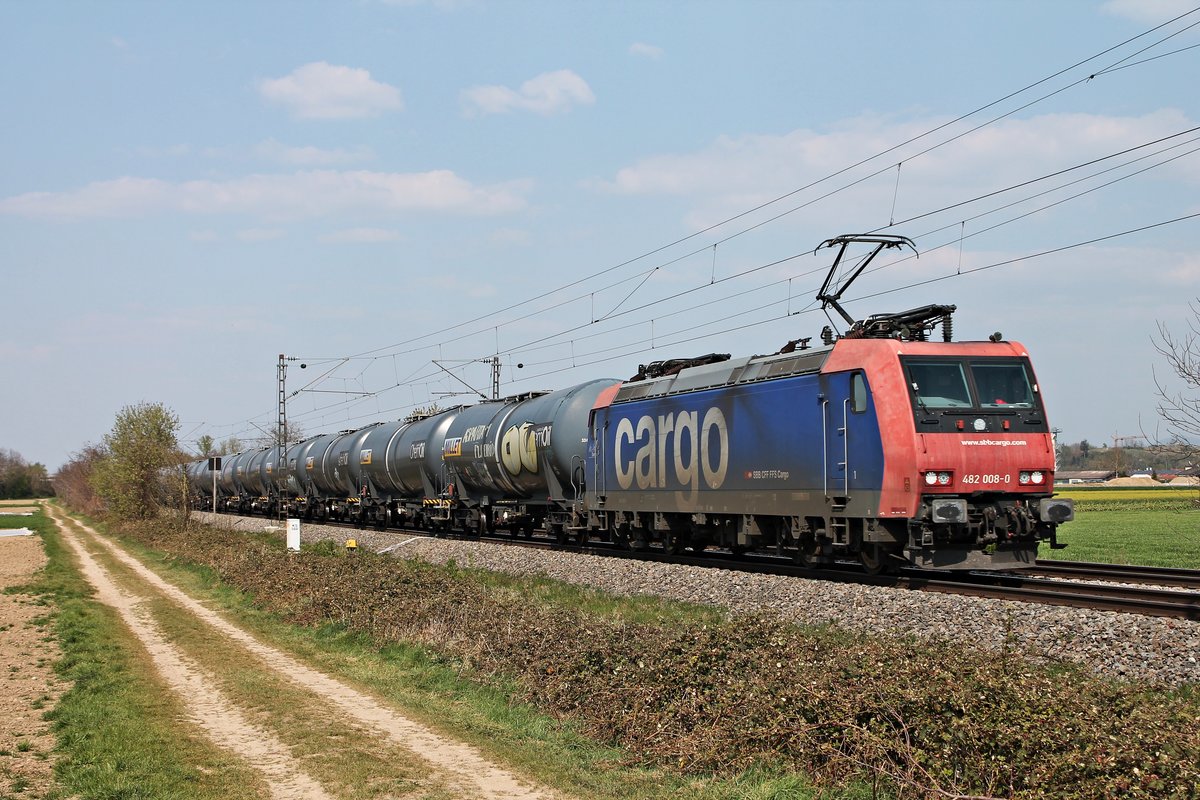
446 767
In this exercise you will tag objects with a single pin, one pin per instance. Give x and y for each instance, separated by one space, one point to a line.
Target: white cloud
169 151
456 286
1185 274
510 236
261 234
326 91
645 50
440 5
360 236
549 93
310 156
1147 12
736 173
300 195
34 354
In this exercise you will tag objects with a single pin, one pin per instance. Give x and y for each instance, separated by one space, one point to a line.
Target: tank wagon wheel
620 535
559 533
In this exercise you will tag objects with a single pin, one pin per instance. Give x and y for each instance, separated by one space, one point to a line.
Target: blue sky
191 189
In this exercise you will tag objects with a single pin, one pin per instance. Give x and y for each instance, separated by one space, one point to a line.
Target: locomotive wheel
875 558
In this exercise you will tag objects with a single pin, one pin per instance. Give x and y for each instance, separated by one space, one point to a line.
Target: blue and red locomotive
879 445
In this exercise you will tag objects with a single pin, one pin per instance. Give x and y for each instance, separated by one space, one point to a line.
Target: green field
1132 525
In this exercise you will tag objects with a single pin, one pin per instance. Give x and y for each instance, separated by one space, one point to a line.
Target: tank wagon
878 445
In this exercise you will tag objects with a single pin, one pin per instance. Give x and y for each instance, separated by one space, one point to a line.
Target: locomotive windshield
971 383
940 384
1002 385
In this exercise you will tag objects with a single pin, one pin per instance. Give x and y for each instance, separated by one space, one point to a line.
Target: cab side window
858 393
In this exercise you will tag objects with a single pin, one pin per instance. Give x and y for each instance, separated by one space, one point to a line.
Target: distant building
1084 476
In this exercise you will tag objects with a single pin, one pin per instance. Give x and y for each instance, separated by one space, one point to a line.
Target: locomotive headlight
938 478
1037 477
1023 478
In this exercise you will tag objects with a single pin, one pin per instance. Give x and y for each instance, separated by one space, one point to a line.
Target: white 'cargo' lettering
661 441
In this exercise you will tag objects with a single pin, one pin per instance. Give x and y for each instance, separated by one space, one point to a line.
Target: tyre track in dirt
206 704
459 764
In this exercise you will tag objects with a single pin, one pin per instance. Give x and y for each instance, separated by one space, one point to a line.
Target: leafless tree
73 481
1179 409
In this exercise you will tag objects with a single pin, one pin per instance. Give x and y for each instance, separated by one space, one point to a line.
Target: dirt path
28 685
458 764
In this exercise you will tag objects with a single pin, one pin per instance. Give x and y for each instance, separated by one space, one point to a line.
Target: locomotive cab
984 457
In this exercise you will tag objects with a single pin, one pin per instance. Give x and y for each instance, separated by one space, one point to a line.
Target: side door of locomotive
847 431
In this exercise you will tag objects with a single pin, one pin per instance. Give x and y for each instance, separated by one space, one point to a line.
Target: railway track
1146 601
1049 583
1143 600
1124 573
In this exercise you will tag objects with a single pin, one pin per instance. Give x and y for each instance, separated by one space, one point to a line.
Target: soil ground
28 686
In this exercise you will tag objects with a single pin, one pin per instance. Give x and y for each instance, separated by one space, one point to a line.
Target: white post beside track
293 534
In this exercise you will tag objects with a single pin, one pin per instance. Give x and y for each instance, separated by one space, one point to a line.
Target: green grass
1132 525
119 730
8 523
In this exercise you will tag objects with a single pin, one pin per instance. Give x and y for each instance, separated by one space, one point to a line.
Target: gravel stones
1125 646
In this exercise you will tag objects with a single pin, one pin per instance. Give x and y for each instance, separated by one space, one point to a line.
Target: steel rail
1127 573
